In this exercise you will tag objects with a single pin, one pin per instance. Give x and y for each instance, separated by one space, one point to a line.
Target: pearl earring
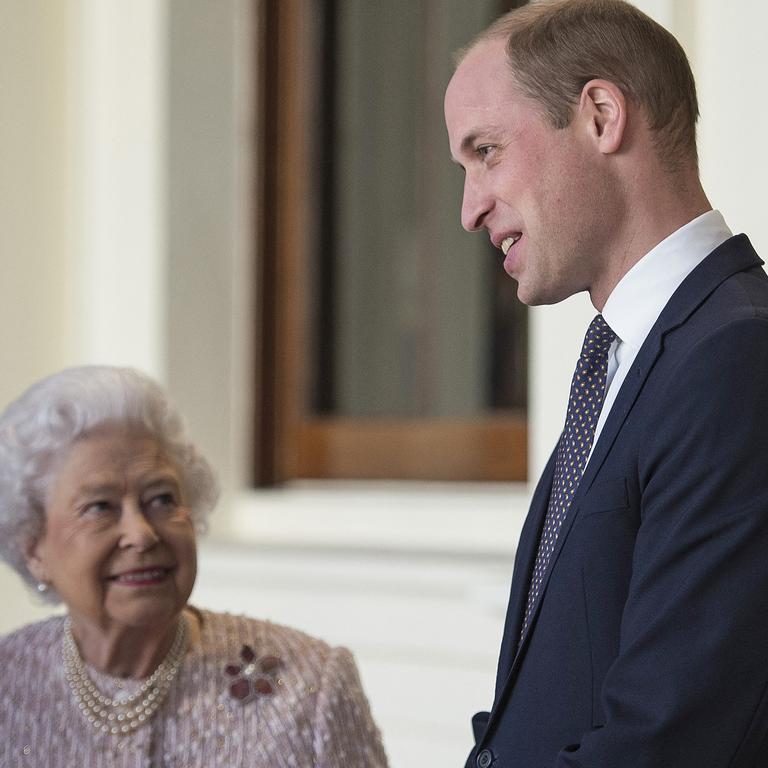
42 587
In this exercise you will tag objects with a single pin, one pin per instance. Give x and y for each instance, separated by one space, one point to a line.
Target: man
637 628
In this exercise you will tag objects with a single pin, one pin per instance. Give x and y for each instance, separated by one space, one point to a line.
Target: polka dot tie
584 404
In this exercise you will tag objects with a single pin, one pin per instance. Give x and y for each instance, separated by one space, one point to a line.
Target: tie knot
598 339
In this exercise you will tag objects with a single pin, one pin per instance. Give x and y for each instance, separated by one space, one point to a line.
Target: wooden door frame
290 443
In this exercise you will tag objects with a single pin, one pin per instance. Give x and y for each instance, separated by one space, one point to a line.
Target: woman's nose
136 530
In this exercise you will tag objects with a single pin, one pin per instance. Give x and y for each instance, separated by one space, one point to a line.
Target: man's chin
536 296
529 296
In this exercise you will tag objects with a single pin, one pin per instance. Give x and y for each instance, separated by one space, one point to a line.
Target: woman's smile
141 577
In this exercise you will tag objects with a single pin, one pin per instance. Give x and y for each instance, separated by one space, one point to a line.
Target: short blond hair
555 47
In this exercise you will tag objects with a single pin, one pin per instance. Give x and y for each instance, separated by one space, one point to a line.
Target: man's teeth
156 573
508 242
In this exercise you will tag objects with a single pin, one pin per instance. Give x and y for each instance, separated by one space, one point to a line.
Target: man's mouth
508 242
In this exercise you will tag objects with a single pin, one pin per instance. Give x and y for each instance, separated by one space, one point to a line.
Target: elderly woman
100 496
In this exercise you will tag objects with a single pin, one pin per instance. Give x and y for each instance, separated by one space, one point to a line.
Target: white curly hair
52 414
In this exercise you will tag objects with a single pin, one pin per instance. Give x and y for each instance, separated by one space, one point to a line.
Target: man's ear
34 554
603 108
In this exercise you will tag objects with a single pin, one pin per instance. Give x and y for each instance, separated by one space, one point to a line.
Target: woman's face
119 543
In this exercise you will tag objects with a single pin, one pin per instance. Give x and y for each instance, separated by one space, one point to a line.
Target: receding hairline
554 47
488 35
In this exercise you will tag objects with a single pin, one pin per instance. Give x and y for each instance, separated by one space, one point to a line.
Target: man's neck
660 207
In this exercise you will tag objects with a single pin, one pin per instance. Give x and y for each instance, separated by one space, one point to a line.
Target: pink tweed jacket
219 711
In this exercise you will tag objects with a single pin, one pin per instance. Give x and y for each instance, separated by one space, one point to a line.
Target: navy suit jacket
648 646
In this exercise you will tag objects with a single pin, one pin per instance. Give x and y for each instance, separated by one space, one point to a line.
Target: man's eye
484 151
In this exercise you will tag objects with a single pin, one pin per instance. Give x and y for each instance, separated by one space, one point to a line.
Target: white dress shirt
640 296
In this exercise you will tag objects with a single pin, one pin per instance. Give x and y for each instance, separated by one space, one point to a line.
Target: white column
117 129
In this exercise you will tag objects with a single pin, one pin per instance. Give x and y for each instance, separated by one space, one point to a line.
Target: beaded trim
124 715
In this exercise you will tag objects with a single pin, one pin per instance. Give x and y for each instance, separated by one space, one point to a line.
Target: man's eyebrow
466 144
468 141
471 138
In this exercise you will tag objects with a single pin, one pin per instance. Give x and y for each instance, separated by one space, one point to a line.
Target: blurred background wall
126 211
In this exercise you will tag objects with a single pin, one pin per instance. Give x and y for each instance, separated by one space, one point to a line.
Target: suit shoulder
742 296
733 320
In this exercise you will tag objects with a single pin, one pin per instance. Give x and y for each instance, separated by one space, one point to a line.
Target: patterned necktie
584 405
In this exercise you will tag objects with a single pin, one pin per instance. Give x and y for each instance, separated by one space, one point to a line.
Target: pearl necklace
121 715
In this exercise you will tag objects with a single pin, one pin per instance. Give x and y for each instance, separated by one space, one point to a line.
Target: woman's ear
603 109
34 554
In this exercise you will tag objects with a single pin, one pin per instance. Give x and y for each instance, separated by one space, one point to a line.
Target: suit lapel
524 561
735 255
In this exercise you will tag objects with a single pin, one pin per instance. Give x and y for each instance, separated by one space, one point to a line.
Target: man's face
537 190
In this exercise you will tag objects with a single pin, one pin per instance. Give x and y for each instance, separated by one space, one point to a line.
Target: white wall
731 63
34 184
34 177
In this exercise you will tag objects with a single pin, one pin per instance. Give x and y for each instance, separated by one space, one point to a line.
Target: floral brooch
254 676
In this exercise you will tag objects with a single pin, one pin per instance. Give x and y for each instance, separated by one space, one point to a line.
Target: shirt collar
639 297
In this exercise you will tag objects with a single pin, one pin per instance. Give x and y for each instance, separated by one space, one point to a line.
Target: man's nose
136 530
475 206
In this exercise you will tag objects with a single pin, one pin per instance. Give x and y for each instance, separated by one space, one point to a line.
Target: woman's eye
162 501
99 507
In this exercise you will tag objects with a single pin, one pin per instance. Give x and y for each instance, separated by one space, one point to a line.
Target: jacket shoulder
30 649
225 635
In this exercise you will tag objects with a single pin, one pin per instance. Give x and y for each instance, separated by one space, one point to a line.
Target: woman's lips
140 578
